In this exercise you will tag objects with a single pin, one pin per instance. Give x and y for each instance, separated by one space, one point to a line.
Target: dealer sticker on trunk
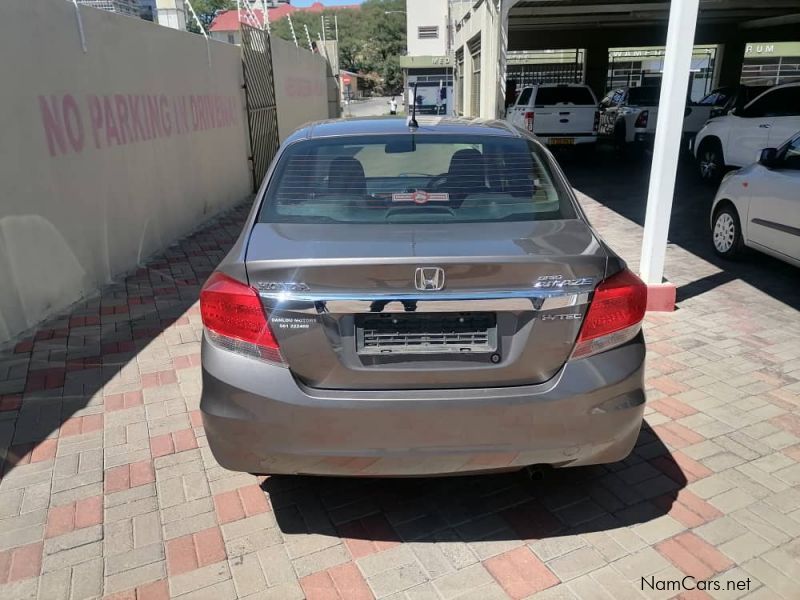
421 197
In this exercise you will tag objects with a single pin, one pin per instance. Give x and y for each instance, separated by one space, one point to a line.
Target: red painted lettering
53 125
153 118
110 122
136 118
95 117
73 123
166 119
122 117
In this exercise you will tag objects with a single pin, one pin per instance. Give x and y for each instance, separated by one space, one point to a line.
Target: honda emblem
429 279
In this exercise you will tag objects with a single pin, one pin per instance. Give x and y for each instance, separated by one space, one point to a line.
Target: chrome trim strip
512 300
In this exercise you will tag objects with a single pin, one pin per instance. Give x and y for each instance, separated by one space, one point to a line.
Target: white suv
737 138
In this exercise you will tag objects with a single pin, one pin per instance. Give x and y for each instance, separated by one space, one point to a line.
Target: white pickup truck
629 115
561 115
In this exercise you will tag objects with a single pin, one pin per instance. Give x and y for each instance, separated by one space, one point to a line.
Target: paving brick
137 557
195 551
463 581
155 590
135 578
520 573
202 578
73 539
745 547
694 556
240 503
576 563
369 534
22 562
131 509
23 529
640 564
72 556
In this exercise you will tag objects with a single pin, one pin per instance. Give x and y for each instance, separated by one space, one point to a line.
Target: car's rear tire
710 161
726 233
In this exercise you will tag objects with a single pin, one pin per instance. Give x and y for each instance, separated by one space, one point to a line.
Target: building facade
123 7
428 63
172 13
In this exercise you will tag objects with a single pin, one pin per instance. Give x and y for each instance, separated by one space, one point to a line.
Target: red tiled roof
227 20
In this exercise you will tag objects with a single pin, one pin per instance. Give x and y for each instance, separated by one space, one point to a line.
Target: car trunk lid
344 303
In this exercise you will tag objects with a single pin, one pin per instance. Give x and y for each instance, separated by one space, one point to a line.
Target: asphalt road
368 108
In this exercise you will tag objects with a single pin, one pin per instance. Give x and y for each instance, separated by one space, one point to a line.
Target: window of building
231 39
475 91
460 81
428 32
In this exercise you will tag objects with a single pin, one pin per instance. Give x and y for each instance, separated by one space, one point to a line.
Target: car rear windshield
415 178
564 95
643 96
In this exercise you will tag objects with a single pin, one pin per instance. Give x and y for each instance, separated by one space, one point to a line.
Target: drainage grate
410 333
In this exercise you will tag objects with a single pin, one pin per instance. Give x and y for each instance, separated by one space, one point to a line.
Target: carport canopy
598 25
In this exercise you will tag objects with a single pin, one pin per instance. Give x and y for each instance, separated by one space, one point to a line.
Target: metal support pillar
730 61
596 69
672 103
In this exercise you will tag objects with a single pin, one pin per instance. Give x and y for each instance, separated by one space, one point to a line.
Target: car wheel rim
708 165
724 232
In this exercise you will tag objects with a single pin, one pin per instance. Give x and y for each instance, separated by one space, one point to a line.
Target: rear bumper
645 138
260 420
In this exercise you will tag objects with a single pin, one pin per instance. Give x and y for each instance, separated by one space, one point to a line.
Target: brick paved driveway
108 488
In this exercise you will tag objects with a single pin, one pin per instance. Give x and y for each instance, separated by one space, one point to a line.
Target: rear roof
398 125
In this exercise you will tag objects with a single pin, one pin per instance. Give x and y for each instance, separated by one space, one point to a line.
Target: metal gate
262 112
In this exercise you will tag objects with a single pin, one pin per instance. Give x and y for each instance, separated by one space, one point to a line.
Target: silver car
419 301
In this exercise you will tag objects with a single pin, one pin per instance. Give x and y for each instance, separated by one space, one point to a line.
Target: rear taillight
529 120
615 314
641 120
596 121
235 319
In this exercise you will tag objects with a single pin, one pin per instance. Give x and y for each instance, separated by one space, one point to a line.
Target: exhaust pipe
537 472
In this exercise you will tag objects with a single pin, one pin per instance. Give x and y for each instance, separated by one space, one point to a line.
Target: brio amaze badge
421 197
558 282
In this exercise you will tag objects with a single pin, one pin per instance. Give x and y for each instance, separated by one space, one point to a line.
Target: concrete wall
301 90
106 155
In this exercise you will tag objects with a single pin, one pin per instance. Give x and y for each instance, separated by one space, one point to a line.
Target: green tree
370 40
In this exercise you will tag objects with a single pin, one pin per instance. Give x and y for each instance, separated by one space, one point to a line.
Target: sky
301 3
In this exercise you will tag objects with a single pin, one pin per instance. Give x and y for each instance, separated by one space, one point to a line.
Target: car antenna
413 120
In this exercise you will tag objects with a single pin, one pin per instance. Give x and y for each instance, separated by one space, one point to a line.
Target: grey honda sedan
419 300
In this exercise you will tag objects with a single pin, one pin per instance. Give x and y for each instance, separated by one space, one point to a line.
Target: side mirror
769 157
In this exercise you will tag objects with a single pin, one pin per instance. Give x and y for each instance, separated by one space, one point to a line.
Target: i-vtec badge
565 317
281 286
558 281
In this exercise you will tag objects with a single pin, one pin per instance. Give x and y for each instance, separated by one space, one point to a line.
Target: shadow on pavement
51 381
621 185
499 507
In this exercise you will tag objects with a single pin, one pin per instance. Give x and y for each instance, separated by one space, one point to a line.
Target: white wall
92 183
426 13
490 22
301 90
